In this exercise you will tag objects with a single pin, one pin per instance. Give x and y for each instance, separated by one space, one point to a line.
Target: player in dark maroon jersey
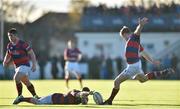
72 55
133 51
72 97
19 51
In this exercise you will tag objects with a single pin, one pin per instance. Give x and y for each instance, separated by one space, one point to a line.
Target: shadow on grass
93 105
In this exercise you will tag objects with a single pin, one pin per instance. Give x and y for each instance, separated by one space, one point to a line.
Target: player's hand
156 62
91 92
143 21
33 68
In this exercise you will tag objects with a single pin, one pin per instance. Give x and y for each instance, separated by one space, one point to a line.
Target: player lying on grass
133 50
72 97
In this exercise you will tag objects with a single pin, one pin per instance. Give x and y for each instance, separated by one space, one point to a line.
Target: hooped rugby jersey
19 53
133 48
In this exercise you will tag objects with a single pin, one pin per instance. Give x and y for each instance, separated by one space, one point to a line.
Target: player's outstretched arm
141 23
83 93
148 58
7 59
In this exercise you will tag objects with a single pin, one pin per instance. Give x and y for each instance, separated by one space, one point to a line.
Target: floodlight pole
2 32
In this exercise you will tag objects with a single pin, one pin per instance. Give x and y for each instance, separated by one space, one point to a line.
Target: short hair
13 31
86 89
124 29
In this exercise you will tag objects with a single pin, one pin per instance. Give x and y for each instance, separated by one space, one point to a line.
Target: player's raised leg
153 75
156 74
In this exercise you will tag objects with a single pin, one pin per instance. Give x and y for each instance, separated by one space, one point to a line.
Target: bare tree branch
17 11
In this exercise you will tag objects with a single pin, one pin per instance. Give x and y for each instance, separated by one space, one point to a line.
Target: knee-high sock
31 89
153 75
19 88
67 82
113 94
80 81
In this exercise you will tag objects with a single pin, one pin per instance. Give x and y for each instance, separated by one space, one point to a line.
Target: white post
2 32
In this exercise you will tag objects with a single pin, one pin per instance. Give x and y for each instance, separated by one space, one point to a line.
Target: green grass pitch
132 95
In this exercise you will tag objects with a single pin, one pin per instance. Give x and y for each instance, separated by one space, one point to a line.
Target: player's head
85 99
86 89
12 34
124 32
70 44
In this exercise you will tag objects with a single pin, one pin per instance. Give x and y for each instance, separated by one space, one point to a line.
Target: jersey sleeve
141 48
8 49
26 46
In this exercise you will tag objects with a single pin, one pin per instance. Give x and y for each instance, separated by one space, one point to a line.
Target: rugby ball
97 97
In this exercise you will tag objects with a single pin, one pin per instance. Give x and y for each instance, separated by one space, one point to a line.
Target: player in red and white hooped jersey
72 56
72 97
19 52
133 51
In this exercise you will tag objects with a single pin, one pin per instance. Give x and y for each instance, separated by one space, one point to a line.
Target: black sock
113 94
19 88
31 89
153 75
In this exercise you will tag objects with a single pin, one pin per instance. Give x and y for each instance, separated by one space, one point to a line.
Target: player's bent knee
26 81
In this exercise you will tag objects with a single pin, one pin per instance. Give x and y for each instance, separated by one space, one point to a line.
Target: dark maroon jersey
72 54
69 98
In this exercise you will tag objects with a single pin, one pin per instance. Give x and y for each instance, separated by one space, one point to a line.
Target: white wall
111 41
57 47
116 43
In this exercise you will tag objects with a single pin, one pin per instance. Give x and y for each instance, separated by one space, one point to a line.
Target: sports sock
67 82
113 94
19 88
31 89
80 81
153 75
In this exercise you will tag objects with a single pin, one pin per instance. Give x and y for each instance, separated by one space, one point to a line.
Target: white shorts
23 70
133 69
71 67
45 100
